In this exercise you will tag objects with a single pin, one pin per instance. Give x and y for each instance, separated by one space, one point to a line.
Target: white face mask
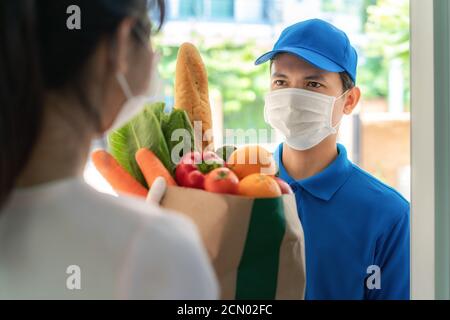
304 118
135 103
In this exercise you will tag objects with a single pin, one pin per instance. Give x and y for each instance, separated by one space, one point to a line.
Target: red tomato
222 180
284 186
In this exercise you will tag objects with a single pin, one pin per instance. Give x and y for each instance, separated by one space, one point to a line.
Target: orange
250 160
259 186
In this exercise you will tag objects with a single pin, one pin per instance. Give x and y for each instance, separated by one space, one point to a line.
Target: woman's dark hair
38 52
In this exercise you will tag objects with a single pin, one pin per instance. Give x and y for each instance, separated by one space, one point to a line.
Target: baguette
191 91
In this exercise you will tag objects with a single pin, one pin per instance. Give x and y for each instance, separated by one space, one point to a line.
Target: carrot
152 167
119 179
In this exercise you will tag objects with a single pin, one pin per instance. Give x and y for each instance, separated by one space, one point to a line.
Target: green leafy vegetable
143 131
152 129
178 120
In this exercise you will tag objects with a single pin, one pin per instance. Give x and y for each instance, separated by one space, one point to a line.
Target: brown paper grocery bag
256 245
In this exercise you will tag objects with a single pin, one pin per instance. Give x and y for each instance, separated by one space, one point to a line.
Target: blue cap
319 43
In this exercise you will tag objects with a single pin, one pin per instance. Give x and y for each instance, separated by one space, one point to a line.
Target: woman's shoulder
118 237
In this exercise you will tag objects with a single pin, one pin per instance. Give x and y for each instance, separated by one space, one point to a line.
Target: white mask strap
124 85
334 106
338 98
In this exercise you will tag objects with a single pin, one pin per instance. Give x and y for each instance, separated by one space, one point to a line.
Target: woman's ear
352 100
121 46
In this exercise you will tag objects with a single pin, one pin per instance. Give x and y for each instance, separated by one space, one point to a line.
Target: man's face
289 71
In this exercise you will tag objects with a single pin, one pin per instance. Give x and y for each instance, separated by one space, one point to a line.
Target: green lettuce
172 122
152 129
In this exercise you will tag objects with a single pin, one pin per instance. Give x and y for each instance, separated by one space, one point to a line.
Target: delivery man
356 228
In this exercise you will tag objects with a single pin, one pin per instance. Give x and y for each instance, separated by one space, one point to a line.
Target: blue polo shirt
356 233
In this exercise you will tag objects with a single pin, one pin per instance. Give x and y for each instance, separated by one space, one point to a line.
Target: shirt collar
326 183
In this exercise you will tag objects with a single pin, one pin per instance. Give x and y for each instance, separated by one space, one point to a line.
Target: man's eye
315 85
280 83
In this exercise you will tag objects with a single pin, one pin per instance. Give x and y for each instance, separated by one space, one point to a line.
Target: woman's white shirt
64 240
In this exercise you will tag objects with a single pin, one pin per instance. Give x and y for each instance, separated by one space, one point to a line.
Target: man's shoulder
377 194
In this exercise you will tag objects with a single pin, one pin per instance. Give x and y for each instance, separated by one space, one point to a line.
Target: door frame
430 158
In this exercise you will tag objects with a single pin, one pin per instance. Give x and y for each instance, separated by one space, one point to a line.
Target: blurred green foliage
387 29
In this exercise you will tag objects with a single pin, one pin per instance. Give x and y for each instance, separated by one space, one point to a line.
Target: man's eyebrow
279 75
316 77
312 77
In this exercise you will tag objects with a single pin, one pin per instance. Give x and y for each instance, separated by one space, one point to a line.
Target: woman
60 88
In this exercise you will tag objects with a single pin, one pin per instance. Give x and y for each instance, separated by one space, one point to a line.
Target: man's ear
352 100
121 46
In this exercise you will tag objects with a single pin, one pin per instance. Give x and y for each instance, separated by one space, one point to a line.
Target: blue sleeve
392 256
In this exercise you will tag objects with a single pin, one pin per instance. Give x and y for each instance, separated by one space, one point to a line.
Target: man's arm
393 258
